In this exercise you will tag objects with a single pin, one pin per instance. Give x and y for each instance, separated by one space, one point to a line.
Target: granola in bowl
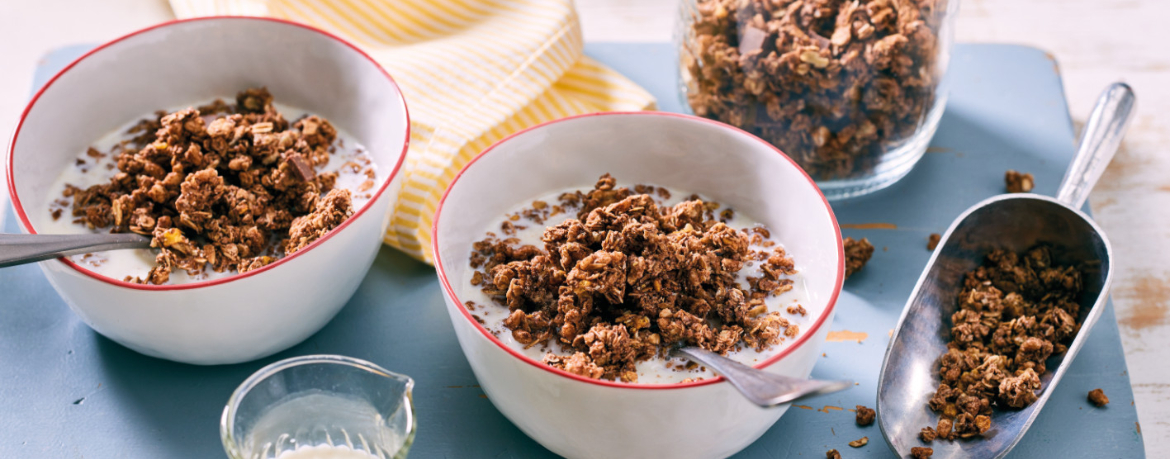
602 283
222 188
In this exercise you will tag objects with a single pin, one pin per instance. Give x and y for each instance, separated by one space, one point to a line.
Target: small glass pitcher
320 406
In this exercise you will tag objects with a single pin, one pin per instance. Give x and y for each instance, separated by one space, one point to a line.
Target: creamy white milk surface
656 370
349 159
326 452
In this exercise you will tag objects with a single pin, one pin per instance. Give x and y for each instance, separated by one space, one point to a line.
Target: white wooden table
1095 42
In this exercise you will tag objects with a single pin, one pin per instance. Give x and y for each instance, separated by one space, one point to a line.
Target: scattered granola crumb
832 454
921 452
932 241
865 415
927 434
857 254
1017 182
859 442
1098 398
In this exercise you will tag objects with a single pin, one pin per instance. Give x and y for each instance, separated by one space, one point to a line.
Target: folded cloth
472 72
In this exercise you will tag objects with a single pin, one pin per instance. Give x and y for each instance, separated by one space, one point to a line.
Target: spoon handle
18 249
758 386
1100 140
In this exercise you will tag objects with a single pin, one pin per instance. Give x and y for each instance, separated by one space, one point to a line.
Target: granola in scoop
1014 312
628 278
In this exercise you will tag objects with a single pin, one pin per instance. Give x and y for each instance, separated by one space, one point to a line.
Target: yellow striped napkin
472 72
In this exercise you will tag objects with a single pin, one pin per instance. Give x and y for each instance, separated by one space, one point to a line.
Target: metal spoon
760 387
18 249
1015 222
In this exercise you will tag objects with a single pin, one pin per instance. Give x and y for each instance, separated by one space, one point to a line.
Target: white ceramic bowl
242 317
583 418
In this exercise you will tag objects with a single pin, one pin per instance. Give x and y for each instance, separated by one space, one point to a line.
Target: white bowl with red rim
579 417
245 316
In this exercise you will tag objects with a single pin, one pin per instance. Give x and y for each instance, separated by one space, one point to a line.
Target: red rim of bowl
16 204
767 362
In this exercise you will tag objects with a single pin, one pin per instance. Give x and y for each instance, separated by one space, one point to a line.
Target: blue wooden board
67 392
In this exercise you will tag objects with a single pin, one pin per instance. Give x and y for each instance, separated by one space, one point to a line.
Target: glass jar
851 90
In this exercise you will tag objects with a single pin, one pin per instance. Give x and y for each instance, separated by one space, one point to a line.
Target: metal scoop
1016 222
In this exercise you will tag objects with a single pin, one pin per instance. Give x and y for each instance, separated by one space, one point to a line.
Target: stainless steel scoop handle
758 386
1100 140
18 249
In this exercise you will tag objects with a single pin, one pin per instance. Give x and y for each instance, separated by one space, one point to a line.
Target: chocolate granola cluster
627 279
857 254
222 186
1018 182
1014 312
833 83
